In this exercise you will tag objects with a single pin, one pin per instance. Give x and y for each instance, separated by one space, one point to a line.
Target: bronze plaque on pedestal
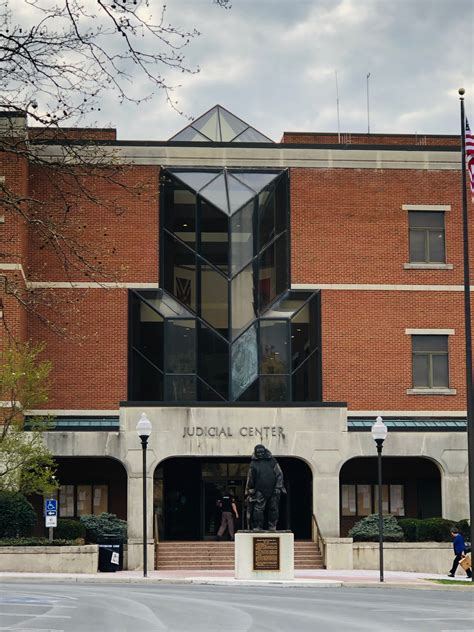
266 554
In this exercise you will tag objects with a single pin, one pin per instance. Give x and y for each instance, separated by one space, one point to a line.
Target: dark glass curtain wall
225 327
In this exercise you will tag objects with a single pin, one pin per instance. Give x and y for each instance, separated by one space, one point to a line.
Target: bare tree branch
58 59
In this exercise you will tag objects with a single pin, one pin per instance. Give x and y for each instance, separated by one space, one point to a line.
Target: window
78 500
430 361
362 500
427 237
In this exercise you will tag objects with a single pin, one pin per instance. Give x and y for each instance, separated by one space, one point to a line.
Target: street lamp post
144 431
379 434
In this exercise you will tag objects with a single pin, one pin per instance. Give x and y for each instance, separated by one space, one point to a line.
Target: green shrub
17 516
367 529
68 529
409 527
104 525
434 530
463 527
35 542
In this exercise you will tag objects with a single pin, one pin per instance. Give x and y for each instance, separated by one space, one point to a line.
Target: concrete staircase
220 555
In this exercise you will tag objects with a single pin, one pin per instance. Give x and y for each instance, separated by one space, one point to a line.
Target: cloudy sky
273 63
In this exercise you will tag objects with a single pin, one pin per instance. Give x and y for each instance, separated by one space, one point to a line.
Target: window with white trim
430 366
427 237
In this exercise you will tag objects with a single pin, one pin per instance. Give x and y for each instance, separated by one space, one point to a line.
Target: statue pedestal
264 555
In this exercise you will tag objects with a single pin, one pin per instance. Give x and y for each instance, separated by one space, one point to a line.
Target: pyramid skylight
218 125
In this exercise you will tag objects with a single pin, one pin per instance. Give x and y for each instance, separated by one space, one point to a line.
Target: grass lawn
452 582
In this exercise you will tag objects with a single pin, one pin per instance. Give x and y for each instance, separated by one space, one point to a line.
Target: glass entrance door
212 490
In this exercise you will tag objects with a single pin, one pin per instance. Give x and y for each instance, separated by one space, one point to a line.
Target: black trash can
110 554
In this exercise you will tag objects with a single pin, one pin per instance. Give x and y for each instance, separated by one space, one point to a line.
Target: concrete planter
49 559
421 557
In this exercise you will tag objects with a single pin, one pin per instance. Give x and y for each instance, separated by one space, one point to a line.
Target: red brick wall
71 133
90 360
117 229
13 242
348 225
367 354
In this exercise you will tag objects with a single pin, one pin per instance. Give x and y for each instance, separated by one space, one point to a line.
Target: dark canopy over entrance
186 490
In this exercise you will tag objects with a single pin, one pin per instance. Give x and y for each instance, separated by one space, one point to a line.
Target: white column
135 521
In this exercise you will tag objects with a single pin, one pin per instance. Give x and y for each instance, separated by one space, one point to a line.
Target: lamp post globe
144 431
379 430
143 427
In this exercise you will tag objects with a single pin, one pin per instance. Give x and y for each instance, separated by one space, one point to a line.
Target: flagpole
467 323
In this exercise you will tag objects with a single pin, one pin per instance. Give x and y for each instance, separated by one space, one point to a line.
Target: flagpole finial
461 91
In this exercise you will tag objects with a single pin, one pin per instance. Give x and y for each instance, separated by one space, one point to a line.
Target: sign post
51 515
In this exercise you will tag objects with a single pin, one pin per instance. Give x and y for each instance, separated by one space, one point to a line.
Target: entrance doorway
212 490
186 491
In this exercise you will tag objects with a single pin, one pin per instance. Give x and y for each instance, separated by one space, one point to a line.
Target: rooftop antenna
368 110
337 106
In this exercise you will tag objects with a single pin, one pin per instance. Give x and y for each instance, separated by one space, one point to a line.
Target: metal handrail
319 539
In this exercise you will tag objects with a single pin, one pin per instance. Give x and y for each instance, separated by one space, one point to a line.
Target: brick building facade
351 259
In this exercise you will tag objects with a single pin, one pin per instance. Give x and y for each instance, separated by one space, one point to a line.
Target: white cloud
272 62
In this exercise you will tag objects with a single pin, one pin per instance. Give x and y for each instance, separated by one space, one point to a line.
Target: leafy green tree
17 516
26 465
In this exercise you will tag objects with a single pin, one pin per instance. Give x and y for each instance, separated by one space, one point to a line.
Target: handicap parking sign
51 506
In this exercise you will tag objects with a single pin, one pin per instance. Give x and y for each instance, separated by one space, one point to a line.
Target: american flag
470 156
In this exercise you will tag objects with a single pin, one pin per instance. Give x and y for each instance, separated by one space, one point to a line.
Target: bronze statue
264 487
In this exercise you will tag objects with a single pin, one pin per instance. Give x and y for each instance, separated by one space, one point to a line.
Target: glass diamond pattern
190 134
256 181
239 194
208 124
231 126
195 180
250 135
216 193
248 336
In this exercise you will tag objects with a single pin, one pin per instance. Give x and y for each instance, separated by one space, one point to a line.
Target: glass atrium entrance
186 490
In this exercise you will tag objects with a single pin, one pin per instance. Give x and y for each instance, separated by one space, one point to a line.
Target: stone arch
412 488
97 475
186 489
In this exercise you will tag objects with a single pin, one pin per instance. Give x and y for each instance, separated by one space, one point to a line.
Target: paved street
191 608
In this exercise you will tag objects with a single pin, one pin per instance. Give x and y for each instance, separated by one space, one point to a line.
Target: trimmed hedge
410 528
35 542
432 529
435 530
367 529
17 516
104 525
463 527
68 529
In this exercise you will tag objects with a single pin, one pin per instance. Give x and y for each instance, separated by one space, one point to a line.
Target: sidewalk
303 578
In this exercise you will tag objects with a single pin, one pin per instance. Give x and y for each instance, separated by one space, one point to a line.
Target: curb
111 578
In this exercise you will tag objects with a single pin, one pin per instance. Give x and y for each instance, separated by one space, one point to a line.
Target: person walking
229 510
459 547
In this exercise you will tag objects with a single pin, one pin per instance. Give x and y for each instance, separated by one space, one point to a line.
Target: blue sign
51 506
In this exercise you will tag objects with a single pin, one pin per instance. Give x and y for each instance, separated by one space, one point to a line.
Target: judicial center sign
261 433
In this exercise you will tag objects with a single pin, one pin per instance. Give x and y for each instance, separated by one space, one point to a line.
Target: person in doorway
229 512
459 547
